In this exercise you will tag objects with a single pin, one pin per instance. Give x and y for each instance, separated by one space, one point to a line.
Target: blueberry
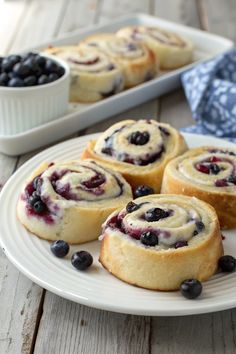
227 263
200 226
155 214
34 67
41 61
1 59
21 70
7 65
51 66
53 77
60 248
60 71
139 138
148 238
107 151
231 179
191 288
111 67
43 79
39 207
16 82
143 190
30 80
179 244
14 59
34 198
131 206
214 169
4 79
36 182
81 260
28 55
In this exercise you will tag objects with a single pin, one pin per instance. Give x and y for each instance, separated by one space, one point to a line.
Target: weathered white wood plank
67 327
180 11
41 23
11 17
221 17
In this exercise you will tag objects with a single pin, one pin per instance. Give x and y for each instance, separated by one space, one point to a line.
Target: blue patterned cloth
210 88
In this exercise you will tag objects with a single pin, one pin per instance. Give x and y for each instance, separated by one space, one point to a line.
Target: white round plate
96 287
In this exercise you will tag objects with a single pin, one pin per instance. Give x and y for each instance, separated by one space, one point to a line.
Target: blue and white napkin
210 88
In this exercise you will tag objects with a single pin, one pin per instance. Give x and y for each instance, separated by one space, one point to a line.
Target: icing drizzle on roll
138 143
173 222
212 168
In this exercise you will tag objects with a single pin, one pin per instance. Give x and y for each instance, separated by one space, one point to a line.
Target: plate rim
188 310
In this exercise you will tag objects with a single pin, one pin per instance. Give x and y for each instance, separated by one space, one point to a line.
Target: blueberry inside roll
158 241
70 200
139 150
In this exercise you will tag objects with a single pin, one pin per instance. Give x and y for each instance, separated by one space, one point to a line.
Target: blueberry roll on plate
139 150
171 50
209 173
137 61
158 241
71 200
94 75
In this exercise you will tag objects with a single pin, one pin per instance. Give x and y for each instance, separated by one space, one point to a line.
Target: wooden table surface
33 320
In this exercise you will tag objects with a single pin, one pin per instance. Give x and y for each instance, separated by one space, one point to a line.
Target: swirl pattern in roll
158 241
171 50
70 200
94 75
137 60
208 173
139 150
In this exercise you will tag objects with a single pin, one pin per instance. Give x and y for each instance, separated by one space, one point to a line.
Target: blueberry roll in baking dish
137 60
158 241
94 75
70 200
209 173
139 150
171 50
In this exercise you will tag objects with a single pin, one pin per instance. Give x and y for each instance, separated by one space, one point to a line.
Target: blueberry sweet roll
158 241
136 60
139 150
70 200
94 75
208 173
171 50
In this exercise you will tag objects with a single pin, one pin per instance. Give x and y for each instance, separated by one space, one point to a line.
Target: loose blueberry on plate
227 263
143 190
148 238
191 288
81 260
131 206
60 248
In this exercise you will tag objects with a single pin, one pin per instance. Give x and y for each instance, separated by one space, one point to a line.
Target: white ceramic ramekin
23 108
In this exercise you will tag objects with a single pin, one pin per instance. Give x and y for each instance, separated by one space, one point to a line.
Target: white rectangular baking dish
80 116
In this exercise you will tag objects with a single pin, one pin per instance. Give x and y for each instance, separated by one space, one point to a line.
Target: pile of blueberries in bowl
30 69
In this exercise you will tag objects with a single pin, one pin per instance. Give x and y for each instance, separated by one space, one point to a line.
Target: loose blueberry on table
30 69
60 248
81 260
